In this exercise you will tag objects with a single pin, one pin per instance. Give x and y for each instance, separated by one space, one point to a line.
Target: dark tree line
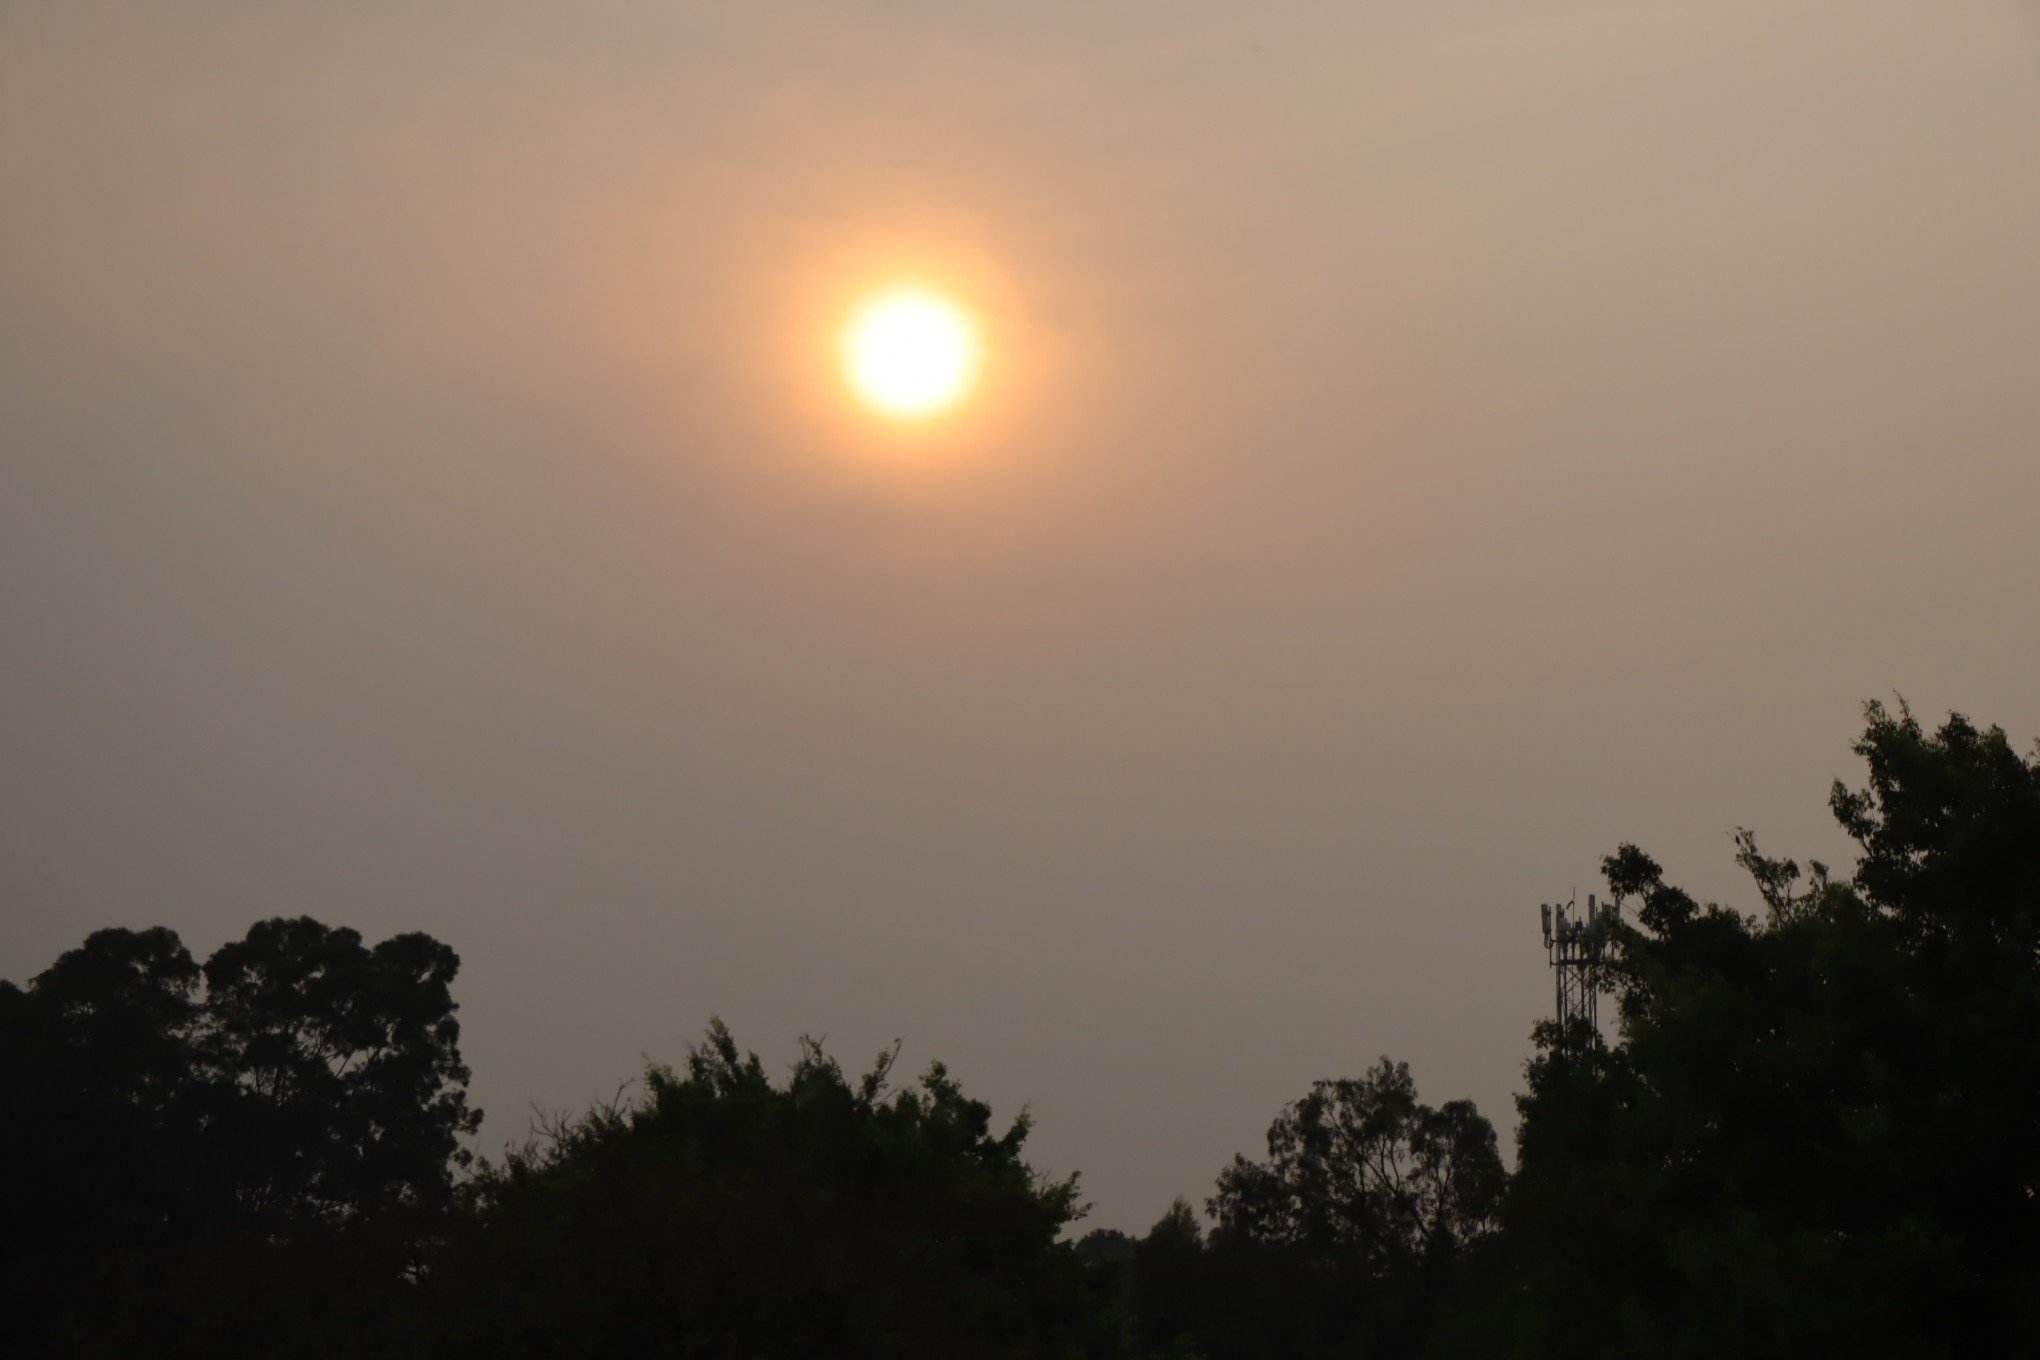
723 1215
1349 1240
197 1157
1815 1131
1819 1133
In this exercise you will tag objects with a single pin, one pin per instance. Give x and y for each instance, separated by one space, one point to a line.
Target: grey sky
1425 444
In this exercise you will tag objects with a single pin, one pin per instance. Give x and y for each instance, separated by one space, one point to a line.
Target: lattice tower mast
1578 947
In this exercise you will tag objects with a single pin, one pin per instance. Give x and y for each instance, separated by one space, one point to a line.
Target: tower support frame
1578 947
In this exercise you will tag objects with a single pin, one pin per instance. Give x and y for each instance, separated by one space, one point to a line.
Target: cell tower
1577 946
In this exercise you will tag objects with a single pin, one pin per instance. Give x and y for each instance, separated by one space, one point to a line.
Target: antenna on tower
1578 948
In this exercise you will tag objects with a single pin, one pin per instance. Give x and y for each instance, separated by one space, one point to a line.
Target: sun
909 352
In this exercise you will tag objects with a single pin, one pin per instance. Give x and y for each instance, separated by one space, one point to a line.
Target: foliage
1343 1243
724 1215
1361 1168
1817 1134
349 1095
259 1146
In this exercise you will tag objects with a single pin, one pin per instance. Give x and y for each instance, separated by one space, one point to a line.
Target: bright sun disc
910 353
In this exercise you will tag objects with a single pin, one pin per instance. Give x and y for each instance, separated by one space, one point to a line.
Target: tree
1344 1241
349 1097
100 1169
1172 1295
261 1147
1361 1168
1816 1134
723 1215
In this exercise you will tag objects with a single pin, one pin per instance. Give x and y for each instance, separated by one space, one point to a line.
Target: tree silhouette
1342 1243
1361 1168
1818 1133
1815 1133
259 1148
348 1095
724 1215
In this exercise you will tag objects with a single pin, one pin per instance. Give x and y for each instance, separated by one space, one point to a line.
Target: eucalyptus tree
264 1146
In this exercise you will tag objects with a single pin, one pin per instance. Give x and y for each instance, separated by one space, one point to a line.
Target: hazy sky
1424 443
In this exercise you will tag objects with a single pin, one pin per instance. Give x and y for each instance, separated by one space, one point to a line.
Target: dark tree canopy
207 1153
1342 1244
1818 1133
348 1093
1361 1168
724 1215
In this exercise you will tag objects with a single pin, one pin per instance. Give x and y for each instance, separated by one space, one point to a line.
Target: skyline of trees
271 1138
1813 1130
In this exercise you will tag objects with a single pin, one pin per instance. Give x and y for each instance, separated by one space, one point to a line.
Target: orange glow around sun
910 352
